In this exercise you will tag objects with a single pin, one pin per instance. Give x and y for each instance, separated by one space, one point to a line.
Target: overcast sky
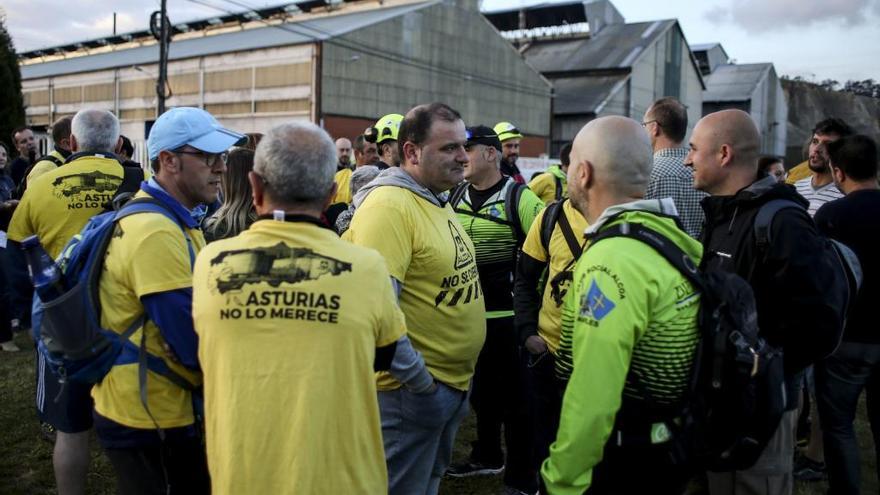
817 39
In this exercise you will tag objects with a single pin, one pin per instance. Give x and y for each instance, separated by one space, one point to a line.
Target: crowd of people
326 313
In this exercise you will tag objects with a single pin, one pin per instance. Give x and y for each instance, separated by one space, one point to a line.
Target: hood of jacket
557 172
659 215
396 177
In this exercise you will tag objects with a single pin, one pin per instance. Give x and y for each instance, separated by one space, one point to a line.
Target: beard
820 167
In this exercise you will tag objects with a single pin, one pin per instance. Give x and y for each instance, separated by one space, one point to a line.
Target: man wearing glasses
148 430
666 123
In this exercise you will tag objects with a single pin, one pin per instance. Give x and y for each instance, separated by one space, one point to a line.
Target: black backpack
842 291
736 397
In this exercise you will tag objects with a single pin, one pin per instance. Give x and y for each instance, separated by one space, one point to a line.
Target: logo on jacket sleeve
595 304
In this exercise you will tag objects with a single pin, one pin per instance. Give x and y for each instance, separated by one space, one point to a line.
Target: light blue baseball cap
189 126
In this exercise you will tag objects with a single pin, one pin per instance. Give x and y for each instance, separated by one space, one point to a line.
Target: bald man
787 275
625 323
343 154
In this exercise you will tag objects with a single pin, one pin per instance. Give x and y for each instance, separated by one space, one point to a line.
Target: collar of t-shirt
478 198
155 190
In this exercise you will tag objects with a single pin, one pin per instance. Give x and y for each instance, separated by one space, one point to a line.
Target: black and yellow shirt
558 257
58 203
427 251
289 317
496 238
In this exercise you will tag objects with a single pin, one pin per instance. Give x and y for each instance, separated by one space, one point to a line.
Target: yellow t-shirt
549 318
148 254
798 172
289 317
43 166
343 186
57 204
544 185
426 249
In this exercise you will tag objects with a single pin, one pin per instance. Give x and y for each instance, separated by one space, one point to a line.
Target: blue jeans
840 379
419 431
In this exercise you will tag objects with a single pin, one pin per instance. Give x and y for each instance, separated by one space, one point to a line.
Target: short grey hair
95 130
361 177
297 161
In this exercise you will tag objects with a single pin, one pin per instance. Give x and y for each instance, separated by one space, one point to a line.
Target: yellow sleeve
532 245
40 169
798 172
544 188
385 228
165 242
343 186
21 227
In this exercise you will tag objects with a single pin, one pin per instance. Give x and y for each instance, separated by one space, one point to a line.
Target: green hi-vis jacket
631 310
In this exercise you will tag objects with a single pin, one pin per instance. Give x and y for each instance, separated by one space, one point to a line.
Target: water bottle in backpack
45 274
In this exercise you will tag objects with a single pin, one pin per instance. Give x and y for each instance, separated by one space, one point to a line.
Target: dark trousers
545 392
5 313
498 398
21 290
840 379
180 466
632 470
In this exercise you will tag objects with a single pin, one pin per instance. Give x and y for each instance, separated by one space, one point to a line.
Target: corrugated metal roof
734 82
306 31
584 94
617 46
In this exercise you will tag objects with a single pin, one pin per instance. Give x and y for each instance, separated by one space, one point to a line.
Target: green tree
11 101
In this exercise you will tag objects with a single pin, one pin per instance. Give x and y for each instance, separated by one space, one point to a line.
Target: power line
298 29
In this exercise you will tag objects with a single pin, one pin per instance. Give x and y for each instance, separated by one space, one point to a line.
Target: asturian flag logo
595 304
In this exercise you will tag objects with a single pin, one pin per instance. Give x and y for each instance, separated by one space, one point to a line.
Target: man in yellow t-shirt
546 263
292 321
57 157
145 419
552 185
432 263
55 208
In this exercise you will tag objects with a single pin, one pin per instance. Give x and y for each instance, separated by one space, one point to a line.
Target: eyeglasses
645 124
209 158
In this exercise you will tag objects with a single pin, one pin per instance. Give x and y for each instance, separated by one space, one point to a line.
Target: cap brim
217 141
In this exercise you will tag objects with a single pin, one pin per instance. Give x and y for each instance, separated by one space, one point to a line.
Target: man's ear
725 153
169 162
74 146
331 196
839 175
588 174
118 148
258 189
411 153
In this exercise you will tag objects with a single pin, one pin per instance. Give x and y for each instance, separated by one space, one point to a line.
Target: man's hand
536 345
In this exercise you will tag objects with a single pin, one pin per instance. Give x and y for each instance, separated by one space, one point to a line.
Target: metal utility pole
161 29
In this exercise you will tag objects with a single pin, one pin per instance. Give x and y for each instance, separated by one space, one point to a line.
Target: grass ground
26 466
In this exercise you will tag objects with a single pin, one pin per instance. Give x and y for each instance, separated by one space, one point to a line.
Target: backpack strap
558 187
666 248
457 194
153 205
548 223
570 238
511 210
764 219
